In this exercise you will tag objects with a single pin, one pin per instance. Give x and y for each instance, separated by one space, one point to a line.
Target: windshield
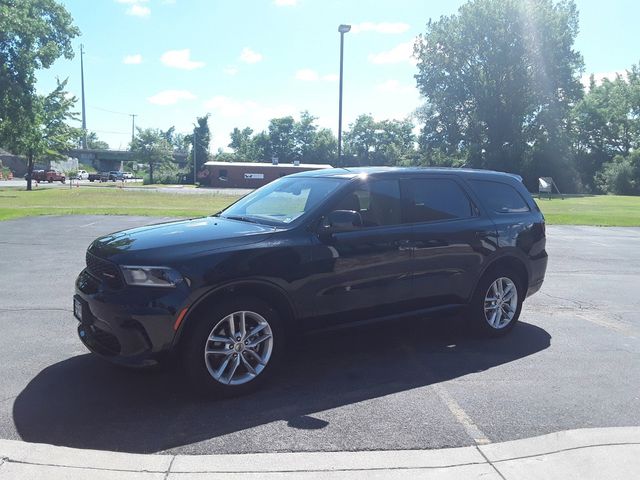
282 201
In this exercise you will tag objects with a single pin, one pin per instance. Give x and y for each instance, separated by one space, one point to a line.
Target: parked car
82 175
115 175
93 177
311 251
127 176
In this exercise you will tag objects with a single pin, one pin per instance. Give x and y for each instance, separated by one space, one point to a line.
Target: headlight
151 276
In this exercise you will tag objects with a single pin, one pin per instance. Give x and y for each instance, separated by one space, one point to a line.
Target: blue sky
246 61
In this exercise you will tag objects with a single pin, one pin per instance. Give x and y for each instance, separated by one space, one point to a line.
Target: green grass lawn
602 210
14 203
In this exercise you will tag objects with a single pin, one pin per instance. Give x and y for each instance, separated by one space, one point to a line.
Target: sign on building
254 176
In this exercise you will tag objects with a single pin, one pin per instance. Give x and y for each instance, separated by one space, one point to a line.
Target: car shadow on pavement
83 402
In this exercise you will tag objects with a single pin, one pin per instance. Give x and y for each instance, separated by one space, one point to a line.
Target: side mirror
342 221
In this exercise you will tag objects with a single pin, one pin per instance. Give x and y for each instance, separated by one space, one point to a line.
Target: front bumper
130 326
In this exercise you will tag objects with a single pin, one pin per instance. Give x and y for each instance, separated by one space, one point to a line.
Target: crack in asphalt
578 303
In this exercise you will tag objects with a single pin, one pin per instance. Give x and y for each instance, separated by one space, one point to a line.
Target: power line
110 111
109 131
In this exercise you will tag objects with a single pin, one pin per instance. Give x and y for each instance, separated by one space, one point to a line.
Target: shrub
621 176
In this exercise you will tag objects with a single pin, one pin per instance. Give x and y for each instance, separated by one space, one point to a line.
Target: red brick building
248 174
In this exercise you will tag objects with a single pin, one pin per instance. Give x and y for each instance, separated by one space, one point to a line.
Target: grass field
601 210
14 203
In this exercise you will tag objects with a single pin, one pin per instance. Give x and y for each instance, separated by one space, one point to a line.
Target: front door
364 274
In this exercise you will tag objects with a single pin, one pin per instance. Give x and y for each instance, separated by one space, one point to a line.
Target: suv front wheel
497 302
234 348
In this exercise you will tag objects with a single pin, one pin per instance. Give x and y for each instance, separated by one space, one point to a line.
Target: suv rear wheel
497 301
235 348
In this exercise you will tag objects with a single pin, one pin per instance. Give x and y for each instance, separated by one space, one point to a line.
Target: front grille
104 270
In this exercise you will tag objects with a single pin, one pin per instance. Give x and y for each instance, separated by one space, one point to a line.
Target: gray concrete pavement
598 454
571 363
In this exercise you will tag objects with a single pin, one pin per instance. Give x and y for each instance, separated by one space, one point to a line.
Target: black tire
196 339
476 312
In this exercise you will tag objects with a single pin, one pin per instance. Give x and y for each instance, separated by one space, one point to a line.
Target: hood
166 241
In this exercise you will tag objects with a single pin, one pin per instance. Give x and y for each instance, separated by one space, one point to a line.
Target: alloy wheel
238 348
501 303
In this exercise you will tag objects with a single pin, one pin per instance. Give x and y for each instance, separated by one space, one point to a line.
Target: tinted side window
499 197
433 199
377 201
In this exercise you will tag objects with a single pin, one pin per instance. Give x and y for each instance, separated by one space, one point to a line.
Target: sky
247 61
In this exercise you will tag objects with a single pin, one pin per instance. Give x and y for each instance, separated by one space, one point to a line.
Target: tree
48 133
33 35
199 141
241 143
621 176
607 122
304 133
151 147
499 79
94 143
387 142
282 138
324 149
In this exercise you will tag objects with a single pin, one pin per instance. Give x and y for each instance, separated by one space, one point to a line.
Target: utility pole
133 127
84 113
195 142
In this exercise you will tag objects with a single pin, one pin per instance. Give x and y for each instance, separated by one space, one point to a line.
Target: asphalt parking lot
572 362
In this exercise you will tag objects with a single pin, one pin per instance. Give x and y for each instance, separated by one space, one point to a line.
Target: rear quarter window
499 197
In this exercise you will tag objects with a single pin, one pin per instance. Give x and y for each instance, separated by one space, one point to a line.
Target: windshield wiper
240 218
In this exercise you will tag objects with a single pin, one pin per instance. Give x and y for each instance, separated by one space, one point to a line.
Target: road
572 362
131 185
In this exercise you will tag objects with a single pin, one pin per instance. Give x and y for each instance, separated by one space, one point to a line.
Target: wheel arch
265 291
512 261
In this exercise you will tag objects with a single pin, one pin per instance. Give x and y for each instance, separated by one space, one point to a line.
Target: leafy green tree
621 176
387 142
304 132
606 122
33 35
48 133
199 141
94 143
282 138
241 143
499 79
151 147
324 149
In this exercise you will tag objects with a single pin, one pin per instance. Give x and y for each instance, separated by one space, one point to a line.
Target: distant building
249 174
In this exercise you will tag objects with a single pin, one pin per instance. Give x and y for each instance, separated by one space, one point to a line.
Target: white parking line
88 224
461 416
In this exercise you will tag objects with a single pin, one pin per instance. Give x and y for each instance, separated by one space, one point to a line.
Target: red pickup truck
48 176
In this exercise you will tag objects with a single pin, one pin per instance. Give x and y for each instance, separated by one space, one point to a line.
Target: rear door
450 240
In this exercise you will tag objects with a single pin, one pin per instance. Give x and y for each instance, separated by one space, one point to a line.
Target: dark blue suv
311 251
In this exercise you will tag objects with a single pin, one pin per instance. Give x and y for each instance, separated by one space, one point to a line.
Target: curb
599 453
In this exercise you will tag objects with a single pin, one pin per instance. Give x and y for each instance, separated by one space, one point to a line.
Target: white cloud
130 2
249 56
180 59
330 77
394 86
170 97
402 52
307 75
382 27
230 70
137 10
132 59
285 3
600 76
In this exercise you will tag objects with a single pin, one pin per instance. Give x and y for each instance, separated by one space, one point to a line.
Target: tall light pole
133 127
342 29
84 115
